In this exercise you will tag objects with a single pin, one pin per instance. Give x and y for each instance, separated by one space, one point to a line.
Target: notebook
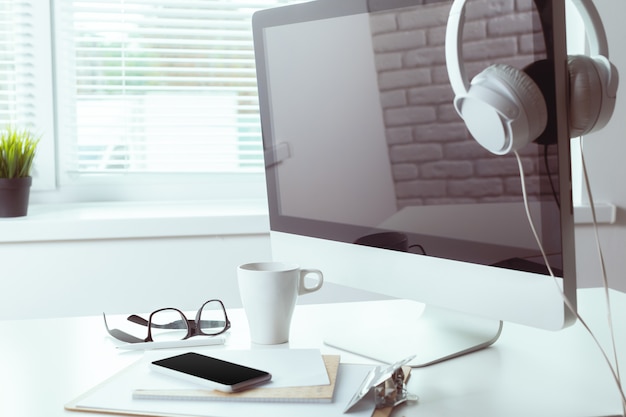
114 396
317 393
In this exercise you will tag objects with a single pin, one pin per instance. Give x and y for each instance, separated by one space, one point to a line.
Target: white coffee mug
268 292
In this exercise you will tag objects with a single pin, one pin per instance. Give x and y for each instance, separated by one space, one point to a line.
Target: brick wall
434 159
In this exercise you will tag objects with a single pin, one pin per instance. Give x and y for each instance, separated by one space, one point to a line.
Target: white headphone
504 109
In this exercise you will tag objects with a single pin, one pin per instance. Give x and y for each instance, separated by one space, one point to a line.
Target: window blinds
17 89
158 86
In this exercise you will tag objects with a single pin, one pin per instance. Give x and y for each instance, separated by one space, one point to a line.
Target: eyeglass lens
212 318
168 324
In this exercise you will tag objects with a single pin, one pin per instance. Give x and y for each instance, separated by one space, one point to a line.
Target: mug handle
302 288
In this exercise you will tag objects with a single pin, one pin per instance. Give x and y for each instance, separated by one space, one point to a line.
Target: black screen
211 369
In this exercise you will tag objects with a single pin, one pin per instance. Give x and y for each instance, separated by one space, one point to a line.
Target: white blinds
17 89
153 86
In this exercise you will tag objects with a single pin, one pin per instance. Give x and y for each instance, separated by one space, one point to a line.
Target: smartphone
211 372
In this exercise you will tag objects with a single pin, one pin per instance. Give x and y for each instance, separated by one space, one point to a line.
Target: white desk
528 372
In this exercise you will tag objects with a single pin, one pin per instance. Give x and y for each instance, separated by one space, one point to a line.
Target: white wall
124 258
605 152
86 277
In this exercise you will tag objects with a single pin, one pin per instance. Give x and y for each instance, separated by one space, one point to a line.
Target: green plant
17 151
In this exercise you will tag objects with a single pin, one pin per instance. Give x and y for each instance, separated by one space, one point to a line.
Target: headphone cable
605 281
614 368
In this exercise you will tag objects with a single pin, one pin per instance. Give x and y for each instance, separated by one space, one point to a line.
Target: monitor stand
401 328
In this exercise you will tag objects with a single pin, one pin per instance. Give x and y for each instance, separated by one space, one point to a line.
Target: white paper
172 344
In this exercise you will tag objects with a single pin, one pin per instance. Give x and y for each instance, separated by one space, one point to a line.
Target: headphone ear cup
531 100
503 109
586 95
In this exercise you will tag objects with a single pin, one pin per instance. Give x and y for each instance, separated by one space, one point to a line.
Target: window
16 95
153 98
158 92
26 78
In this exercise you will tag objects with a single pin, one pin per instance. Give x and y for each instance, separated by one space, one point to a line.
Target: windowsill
90 221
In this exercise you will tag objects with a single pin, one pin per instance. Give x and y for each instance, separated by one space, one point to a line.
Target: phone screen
211 369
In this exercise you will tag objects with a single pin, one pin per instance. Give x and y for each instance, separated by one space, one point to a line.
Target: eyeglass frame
193 326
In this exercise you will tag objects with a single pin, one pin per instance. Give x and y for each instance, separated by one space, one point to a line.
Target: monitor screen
374 177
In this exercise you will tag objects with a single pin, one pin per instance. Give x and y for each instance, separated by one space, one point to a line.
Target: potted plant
17 152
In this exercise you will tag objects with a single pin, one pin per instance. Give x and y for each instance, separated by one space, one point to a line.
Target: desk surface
528 372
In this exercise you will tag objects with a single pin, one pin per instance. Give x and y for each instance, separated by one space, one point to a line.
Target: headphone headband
594 29
598 44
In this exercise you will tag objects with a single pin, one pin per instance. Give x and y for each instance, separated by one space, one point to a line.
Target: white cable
614 369
605 281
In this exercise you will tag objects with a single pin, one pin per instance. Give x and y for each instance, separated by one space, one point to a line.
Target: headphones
505 108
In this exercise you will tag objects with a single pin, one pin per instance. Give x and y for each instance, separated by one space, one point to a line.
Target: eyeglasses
168 324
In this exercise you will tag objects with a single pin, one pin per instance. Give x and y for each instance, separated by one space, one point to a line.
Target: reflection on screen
374 152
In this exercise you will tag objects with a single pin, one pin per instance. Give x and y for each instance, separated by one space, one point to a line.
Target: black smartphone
211 372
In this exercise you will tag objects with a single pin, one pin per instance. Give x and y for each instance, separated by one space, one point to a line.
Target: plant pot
14 194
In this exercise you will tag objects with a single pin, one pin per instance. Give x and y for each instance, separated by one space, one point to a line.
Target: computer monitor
373 177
